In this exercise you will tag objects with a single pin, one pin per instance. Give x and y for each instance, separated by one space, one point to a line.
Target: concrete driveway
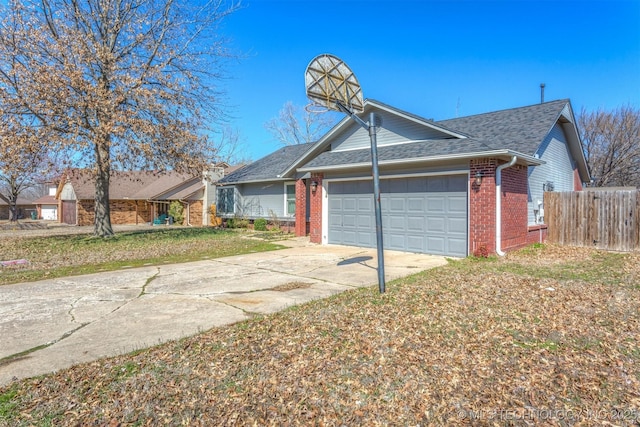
54 324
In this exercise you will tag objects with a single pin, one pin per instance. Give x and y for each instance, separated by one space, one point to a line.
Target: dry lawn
545 336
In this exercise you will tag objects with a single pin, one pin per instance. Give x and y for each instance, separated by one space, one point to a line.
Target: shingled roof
414 150
519 129
515 131
269 167
132 185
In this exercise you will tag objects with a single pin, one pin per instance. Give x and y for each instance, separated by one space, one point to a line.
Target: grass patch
8 403
59 256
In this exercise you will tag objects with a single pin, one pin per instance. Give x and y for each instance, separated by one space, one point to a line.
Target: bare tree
126 84
232 147
22 160
295 125
612 145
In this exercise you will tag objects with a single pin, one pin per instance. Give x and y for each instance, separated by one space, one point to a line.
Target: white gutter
531 161
499 203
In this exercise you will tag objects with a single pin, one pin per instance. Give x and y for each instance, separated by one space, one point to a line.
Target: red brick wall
514 207
301 208
86 214
482 206
577 182
195 213
315 226
122 212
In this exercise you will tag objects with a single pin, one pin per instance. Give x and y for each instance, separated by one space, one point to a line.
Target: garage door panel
349 238
395 241
366 240
436 245
397 204
415 243
397 223
349 204
365 204
436 224
415 224
457 225
420 214
365 221
435 205
457 247
335 220
457 204
415 204
349 220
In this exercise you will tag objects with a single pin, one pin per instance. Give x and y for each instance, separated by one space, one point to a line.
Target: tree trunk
102 210
13 207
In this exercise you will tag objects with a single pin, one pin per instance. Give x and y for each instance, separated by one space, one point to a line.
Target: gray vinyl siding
557 169
455 168
394 130
260 200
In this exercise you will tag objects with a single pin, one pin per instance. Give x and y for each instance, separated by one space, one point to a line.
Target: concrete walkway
54 324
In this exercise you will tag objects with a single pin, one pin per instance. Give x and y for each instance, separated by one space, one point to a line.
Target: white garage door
49 212
422 214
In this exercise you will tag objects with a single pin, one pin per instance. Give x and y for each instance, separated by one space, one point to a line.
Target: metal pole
371 127
376 201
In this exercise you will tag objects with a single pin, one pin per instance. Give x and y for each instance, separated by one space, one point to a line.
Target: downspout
499 203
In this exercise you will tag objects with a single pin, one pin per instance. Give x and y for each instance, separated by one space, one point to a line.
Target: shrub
481 252
176 210
260 224
237 222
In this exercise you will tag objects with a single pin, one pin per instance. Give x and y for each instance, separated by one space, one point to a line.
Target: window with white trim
290 199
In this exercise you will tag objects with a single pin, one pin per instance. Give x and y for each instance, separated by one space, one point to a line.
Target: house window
226 200
290 201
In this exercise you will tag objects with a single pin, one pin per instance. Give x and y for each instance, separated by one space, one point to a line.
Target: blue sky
436 59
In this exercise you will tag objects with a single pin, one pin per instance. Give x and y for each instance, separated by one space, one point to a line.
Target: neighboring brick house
47 205
452 187
138 197
24 208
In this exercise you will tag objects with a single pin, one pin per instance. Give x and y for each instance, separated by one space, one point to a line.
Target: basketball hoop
315 108
332 84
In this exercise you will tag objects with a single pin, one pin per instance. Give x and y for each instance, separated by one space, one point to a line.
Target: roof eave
254 181
507 154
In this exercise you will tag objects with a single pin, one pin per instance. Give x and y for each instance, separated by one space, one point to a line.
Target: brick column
315 231
577 182
301 208
515 219
482 206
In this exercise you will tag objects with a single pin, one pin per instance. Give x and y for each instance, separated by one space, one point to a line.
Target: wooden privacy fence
602 219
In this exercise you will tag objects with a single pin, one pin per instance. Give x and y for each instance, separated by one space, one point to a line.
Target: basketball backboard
331 84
